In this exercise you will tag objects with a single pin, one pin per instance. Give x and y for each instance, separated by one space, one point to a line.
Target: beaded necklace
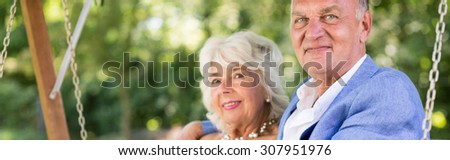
252 135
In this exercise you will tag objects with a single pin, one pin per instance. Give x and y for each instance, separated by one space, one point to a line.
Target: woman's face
237 95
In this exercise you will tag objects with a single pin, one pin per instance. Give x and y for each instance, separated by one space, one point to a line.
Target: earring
267 100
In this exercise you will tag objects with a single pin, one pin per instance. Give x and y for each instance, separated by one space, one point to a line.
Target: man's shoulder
370 75
386 82
385 77
386 72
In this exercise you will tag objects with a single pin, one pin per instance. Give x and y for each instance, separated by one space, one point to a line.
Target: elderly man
348 96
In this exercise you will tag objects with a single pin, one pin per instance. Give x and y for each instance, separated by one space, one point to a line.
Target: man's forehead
322 6
343 2
322 10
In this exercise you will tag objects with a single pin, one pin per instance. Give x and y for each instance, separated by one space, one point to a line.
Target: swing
73 66
434 71
6 40
70 55
72 41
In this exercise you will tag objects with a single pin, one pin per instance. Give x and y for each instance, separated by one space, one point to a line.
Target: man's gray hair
363 7
364 4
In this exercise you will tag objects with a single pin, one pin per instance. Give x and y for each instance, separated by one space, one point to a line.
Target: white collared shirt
308 112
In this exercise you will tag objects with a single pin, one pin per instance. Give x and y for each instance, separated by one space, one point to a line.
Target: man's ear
366 23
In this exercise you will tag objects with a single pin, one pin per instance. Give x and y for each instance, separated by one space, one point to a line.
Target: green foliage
156 31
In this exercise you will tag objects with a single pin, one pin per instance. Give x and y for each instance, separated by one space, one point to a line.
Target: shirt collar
310 94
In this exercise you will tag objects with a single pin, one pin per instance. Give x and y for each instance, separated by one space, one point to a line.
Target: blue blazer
376 103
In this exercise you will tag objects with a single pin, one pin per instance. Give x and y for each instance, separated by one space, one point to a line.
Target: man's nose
314 29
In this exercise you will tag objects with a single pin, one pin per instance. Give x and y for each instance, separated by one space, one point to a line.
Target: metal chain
434 72
73 68
6 40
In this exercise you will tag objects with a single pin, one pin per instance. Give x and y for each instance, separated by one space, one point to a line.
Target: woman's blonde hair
243 47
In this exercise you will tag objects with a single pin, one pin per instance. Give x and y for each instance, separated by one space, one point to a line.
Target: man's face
321 26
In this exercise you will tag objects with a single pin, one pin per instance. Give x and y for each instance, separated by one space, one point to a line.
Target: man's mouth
319 49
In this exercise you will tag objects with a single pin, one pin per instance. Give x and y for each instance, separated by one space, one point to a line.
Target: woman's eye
215 81
238 75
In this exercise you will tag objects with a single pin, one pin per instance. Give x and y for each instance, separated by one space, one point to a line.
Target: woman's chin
232 120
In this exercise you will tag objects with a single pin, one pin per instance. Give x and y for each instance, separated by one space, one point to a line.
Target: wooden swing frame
42 57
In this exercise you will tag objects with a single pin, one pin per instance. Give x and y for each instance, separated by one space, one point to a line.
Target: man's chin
317 74
314 68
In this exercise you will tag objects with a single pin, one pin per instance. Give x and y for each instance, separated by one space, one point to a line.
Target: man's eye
329 17
301 20
300 23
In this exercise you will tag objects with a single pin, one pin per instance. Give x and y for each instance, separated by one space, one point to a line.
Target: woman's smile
231 105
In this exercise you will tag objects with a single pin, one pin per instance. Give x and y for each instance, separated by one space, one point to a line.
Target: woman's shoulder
212 136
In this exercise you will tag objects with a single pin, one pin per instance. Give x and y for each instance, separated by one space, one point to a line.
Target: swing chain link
7 39
434 72
73 68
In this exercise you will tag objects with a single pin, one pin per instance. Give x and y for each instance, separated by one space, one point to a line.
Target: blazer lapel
307 133
367 69
291 108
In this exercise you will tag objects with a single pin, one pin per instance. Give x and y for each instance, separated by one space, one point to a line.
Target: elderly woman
241 88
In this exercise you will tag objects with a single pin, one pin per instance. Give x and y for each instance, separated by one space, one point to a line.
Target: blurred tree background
161 36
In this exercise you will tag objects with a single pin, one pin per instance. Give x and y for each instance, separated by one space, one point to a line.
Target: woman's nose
226 87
